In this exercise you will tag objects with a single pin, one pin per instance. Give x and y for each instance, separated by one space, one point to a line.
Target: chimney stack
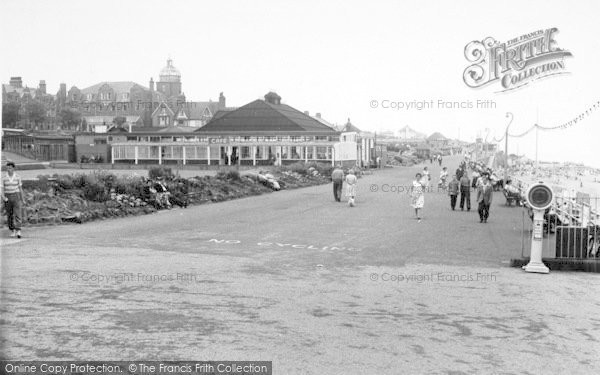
151 84
16 82
307 113
43 87
318 115
221 101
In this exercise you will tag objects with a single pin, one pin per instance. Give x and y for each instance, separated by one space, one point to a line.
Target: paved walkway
313 285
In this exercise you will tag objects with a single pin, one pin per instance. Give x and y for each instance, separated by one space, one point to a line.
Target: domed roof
169 72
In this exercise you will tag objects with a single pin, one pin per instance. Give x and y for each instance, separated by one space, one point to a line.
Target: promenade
313 285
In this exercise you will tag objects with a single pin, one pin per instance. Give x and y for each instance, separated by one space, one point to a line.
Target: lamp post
508 114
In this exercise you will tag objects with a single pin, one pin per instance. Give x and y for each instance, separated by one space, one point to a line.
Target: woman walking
351 187
418 194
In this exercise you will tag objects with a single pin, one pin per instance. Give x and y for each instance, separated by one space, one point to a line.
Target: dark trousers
337 190
453 201
465 195
484 210
13 211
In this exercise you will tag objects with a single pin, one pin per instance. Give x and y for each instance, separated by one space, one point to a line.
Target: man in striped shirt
12 196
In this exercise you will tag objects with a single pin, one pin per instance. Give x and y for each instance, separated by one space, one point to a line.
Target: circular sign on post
539 196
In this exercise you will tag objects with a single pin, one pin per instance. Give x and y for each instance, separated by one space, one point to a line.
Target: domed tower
170 80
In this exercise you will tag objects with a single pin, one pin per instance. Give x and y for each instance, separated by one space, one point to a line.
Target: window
125 96
89 96
163 120
245 152
321 152
99 141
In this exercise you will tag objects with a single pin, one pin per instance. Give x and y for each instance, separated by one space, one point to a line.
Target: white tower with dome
169 81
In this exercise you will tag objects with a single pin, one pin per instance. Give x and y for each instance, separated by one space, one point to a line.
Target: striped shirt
11 185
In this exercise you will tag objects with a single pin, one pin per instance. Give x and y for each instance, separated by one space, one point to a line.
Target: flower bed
80 198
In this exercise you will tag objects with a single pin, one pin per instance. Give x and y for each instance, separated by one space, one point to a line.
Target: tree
10 114
36 112
119 120
70 118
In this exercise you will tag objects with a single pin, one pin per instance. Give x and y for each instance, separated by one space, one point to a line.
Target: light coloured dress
418 196
351 185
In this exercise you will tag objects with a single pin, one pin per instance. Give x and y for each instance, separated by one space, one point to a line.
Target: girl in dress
417 193
351 181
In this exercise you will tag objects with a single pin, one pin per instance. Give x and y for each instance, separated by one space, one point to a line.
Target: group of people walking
338 177
460 184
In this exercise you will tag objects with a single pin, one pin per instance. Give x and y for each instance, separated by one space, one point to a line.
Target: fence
571 228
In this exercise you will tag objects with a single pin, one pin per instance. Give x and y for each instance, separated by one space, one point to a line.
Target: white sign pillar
535 260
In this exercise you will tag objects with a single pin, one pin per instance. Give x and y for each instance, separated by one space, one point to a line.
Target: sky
338 58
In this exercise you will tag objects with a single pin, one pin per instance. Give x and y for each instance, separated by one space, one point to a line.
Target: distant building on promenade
356 147
262 132
409 134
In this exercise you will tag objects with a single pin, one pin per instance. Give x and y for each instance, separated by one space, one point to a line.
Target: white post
535 260
254 155
183 153
305 154
136 154
159 155
229 151
112 155
208 155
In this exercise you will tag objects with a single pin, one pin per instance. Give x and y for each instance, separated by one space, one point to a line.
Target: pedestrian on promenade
418 194
459 173
465 192
453 188
337 177
13 198
426 176
485 192
440 159
475 178
443 178
351 181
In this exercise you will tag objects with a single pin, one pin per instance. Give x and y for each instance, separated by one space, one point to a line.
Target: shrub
94 189
156 172
64 182
233 175
300 168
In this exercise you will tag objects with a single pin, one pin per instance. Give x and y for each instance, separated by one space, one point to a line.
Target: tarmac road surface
295 278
